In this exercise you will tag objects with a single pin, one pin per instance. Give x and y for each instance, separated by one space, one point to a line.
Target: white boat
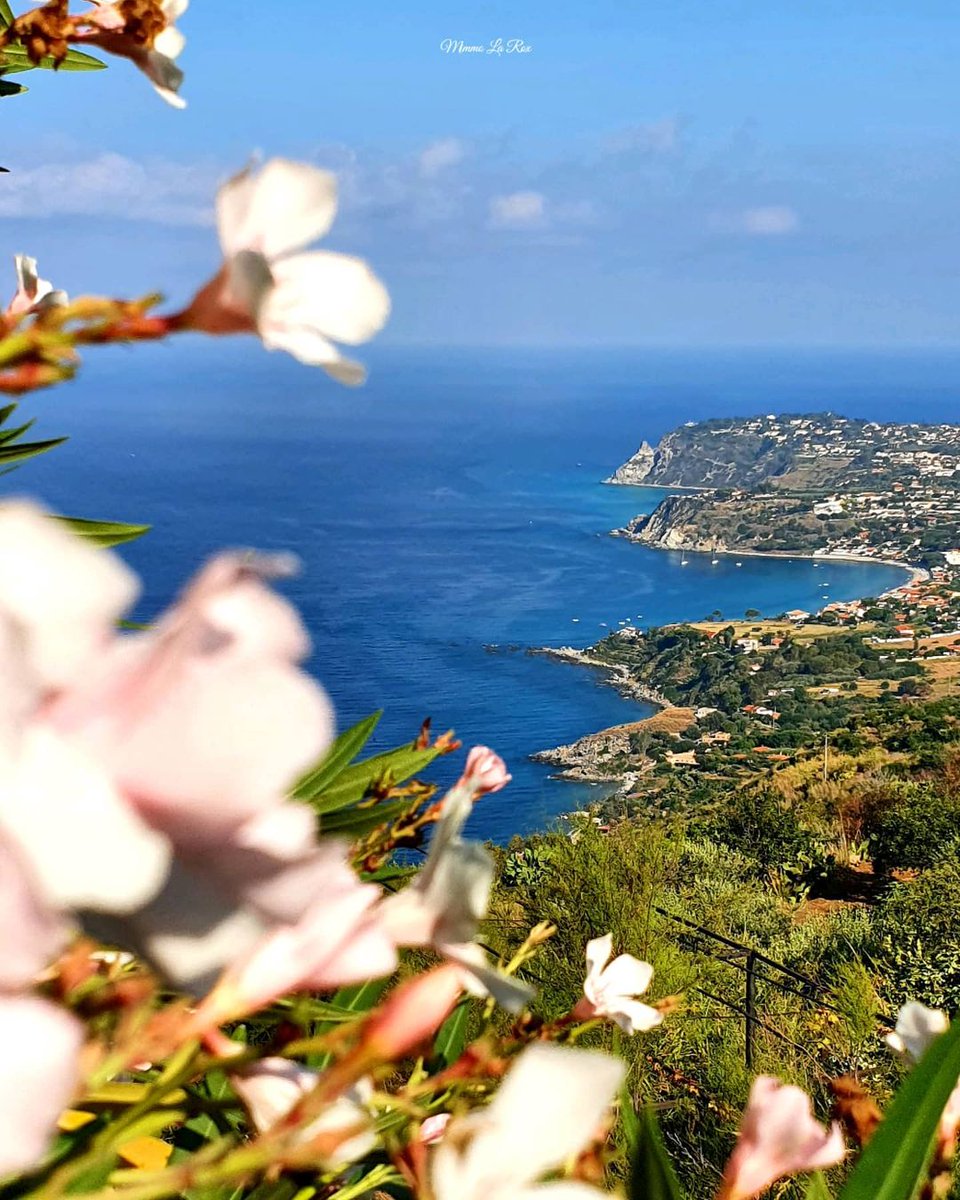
683 558
739 564
714 561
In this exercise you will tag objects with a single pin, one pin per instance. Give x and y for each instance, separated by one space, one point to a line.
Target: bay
450 515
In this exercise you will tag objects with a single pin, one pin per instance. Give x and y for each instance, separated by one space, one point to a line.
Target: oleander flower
31 932
39 1070
546 1112
778 1136
144 31
301 302
445 903
917 1027
270 1089
178 745
433 1129
33 294
610 988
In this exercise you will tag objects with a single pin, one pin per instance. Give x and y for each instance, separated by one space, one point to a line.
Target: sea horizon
451 516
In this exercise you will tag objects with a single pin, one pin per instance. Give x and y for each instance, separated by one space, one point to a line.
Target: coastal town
741 699
817 485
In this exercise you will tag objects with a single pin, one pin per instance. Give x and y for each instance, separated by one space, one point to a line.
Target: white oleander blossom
299 301
447 900
548 1110
916 1029
610 988
33 294
144 31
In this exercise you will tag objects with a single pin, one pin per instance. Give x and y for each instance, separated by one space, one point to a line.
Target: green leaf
104 533
452 1037
10 89
355 781
652 1176
15 58
817 1188
6 13
347 746
895 1160
357 821
357 999
11 455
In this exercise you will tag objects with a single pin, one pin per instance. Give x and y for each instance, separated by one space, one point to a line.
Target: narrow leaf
895 1160
6 13
355 781
817 1188
104 533
343 751
452 1037
652 1176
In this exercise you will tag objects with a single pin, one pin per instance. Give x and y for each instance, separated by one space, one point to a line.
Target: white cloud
445 152
771 221
518 210
113 186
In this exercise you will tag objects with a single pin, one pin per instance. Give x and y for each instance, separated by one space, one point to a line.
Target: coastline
915 573
578 760
616 675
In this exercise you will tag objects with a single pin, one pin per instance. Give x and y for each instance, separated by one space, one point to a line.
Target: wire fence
761 974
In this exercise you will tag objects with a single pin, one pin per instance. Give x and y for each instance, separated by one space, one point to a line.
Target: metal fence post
750 1006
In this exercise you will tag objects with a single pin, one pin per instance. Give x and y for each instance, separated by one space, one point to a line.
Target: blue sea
450 515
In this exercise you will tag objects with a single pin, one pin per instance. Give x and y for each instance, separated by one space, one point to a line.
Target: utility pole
826 738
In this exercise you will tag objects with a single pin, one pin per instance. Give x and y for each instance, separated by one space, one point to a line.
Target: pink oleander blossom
778 1137
301 302
39 1070
271 1088
178 745
485 771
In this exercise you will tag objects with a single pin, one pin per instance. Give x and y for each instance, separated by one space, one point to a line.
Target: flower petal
546 1110
634 1017
336 294
38 1073
598 954
62 596
30 933
626 976
86 847
284 206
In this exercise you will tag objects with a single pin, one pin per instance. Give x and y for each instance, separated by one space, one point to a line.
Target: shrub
907 826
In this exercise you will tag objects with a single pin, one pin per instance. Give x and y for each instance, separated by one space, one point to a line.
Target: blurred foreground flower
38 1074
917 1027
298 302
178 746
610 988
448 898
272 1087
778 1136
548 1109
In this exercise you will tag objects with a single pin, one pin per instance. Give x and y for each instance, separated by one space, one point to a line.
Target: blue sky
717 173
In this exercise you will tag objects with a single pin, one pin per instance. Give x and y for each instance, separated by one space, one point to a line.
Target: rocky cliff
636 469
